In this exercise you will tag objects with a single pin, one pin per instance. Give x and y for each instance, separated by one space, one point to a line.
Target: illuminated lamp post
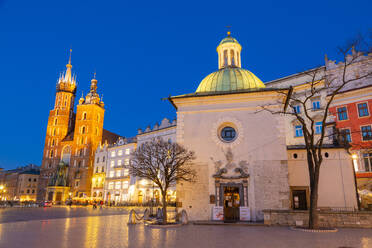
354 158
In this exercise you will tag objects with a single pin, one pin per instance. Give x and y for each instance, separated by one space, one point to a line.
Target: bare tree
326 83
165 164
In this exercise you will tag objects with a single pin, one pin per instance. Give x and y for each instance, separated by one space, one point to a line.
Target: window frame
346 113
301 130
349 129
367 108
317 126
370 131
369 158
316 100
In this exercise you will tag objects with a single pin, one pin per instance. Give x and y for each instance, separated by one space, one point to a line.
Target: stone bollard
184 218
146 214
132 217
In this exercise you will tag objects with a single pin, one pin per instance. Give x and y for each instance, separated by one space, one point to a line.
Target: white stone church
250 160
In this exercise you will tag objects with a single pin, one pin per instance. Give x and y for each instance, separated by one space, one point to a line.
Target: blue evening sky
145 50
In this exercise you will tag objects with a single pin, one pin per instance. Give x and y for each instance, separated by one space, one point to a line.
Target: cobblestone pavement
112 231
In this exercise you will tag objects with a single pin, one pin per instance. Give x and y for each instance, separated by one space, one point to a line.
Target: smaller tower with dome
230 76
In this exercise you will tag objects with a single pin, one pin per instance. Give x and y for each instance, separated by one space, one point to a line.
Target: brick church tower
70 142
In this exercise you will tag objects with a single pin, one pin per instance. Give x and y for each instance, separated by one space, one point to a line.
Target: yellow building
72 139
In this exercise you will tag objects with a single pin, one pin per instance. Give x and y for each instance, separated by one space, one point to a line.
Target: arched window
51 153
232 57
84 116
54 132
83 129
225 58
53 142
82 140
65 103
55 121
94 194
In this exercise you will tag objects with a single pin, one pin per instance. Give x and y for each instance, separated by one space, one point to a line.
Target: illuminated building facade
71 140
117 181
249 160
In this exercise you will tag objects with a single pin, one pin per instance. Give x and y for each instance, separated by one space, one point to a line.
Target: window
29 179
33 191
96 169
228 134
345 135
111 185
103 169
299 199
363 109
112 173
113 154
55 121
112 163
103 159
316 104
127 151
83 129
51 153
126 161
297 109
96 130
298 131
318 127
119 162
84 116
28 191
118 173
117 185
34 179
126 172
79 164
97 159
366 132
342 113
120 152
367 157
125 184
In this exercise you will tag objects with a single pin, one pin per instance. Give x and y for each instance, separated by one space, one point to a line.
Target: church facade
246 162
70 142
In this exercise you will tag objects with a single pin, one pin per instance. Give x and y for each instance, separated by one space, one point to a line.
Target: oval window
228 134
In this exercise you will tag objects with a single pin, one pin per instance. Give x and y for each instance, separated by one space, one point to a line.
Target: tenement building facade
70 142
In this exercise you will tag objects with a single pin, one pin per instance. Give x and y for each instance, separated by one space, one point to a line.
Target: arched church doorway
231 203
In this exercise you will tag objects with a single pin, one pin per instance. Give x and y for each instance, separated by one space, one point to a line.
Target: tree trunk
164 195
313 212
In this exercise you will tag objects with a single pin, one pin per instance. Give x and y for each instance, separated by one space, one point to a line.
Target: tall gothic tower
87 136
60 125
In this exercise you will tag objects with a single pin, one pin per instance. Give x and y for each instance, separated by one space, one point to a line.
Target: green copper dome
230 79
229 39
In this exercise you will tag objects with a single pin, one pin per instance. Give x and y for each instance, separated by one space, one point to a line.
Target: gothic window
51 153
84 116
232 55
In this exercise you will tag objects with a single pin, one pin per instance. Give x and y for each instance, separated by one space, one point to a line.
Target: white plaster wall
260 143
336 181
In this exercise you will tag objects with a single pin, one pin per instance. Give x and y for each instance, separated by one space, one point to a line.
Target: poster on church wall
217 213
245 214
